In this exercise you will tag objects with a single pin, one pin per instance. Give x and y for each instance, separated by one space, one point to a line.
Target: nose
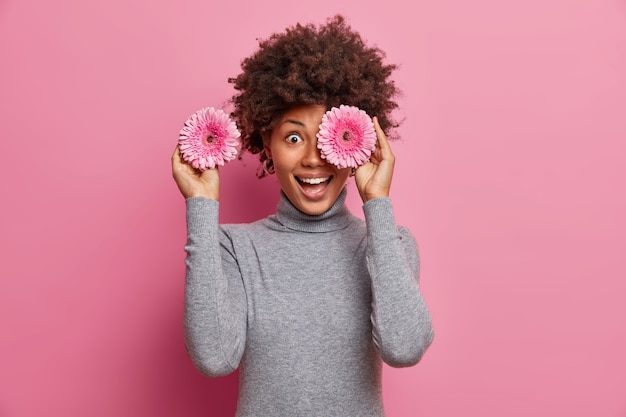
312 156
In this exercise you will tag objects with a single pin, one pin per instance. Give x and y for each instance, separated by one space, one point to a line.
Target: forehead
309 115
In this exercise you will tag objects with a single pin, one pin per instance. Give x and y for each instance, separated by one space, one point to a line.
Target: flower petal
346 137
208 138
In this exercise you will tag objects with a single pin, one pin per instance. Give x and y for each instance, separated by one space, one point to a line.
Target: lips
314 187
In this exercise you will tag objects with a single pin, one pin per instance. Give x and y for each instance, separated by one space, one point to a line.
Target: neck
337 217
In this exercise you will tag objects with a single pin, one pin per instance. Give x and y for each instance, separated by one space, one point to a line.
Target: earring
268 166
352 172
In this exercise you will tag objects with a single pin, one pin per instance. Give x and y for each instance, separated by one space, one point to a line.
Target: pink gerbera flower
209 138
347 137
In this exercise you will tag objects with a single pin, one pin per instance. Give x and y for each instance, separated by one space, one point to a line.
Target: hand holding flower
208 139
373 178
192 182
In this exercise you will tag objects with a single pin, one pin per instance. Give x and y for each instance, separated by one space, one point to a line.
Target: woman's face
310 183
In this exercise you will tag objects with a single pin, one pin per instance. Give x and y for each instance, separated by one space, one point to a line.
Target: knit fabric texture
307 307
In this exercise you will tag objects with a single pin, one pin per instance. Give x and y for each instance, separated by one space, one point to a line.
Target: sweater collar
337 217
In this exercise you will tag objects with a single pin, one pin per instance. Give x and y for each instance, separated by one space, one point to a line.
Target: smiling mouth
312 181
313 187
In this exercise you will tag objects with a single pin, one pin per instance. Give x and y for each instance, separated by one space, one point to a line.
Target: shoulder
243 230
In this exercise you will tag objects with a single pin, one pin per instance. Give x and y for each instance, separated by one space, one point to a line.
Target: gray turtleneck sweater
306 306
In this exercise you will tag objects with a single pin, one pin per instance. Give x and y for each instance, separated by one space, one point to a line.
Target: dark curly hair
328 64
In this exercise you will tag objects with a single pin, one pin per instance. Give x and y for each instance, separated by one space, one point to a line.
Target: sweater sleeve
401 321
215 301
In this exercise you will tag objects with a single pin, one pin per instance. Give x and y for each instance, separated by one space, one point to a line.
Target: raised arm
215 301
402 328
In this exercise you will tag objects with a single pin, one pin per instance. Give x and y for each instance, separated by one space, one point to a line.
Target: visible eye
293 138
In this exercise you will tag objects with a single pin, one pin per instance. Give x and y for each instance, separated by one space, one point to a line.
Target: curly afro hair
328 64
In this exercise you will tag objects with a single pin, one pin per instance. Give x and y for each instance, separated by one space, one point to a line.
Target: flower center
210 138
346 136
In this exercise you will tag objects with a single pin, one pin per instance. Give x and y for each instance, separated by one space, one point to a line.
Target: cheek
343 176
281 160
285 158
344 173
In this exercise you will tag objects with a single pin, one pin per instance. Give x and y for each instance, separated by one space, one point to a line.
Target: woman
309 301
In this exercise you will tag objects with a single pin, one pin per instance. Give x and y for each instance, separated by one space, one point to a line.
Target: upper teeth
314 180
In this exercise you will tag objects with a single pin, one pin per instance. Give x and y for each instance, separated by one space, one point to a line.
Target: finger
384 146
381 149
177 156
180 165
380 134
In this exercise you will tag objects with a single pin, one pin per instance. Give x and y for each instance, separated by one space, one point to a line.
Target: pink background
510 173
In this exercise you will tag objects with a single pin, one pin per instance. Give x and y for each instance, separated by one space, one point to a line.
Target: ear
267 138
